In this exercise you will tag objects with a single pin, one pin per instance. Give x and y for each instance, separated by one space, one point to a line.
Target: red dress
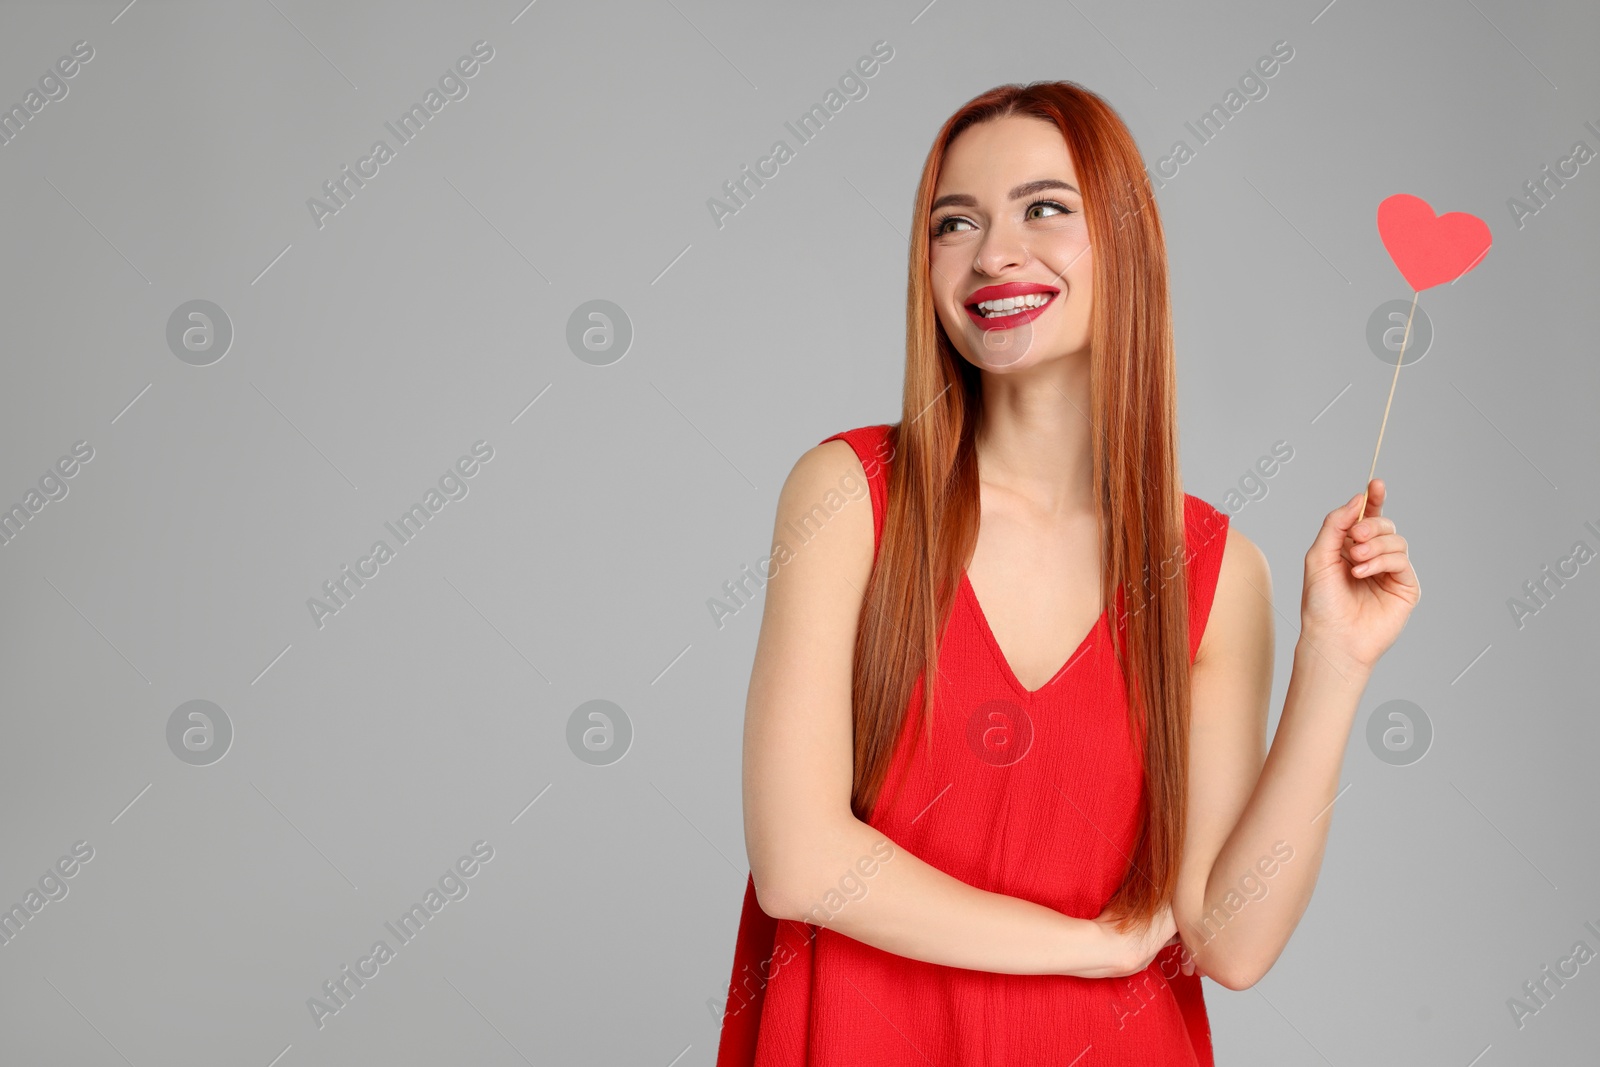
1030 794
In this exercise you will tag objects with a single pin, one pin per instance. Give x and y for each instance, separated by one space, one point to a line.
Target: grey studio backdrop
231 369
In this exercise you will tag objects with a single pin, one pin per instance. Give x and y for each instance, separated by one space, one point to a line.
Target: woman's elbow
771 895
779 874
790 881
1237 975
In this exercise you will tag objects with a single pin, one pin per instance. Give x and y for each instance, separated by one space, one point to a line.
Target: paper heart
1430 249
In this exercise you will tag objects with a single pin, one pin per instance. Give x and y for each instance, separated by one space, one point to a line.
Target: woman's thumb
1330 539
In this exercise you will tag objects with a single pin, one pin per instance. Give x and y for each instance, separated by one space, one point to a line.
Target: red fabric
1054 826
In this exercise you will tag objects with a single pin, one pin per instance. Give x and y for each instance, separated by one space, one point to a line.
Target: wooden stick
1397 362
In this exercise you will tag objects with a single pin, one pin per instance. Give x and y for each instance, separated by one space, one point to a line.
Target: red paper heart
1430 250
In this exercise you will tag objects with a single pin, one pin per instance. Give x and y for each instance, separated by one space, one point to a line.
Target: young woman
1033 858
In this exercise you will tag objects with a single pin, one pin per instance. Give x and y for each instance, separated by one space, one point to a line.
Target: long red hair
931 522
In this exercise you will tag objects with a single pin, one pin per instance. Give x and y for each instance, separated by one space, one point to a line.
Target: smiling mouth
1016 305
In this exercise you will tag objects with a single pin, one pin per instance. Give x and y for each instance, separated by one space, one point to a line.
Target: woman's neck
1035 435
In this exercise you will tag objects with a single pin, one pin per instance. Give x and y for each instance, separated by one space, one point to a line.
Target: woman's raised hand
1359 584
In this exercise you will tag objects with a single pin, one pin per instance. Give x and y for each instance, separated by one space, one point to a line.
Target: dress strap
875 447
1205 536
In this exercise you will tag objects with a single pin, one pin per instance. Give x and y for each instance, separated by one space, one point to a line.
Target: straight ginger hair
931 521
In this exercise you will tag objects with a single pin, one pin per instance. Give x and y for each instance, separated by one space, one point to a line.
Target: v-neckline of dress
1000 655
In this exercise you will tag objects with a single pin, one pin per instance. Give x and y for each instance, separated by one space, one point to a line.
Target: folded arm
811 859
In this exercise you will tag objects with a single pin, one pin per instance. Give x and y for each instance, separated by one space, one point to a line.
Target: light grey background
432 311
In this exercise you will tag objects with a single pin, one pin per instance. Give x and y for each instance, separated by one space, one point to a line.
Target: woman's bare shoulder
1241 607
824 518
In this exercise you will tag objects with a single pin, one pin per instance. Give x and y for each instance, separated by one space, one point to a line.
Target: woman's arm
809 855
1258 827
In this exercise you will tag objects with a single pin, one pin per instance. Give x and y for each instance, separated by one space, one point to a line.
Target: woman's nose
1002 248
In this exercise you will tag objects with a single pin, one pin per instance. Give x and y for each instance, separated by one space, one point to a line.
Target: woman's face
1007 231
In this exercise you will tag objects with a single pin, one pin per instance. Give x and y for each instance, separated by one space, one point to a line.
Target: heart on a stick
1430 249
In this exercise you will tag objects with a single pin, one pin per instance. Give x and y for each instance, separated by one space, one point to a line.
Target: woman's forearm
859 883
1265 873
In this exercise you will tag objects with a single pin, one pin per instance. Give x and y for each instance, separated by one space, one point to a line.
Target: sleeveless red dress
1030 794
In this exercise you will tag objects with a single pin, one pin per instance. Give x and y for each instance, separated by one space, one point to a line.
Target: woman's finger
1330 539
1396 563
1364 532
1370 527
1377 493
1391 542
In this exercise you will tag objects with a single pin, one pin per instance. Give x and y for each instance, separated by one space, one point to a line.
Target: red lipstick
1015 317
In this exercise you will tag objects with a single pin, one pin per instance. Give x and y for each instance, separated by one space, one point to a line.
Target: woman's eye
1039 209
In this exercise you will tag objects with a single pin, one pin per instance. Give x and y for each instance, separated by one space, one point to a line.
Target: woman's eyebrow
1025 189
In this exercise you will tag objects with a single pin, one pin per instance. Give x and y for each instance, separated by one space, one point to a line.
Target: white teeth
1008 306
